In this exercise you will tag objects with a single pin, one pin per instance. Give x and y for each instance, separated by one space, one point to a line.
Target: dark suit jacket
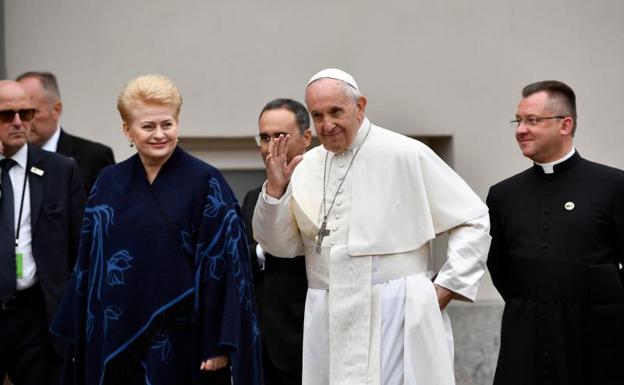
280 294
56 203
91 157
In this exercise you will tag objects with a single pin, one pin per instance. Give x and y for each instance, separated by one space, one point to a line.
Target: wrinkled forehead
326 90
13 98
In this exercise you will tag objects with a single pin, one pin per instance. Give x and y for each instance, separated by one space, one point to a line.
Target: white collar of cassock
361 134
549 168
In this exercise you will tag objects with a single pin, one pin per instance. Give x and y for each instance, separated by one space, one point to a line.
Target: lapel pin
569 206
36 171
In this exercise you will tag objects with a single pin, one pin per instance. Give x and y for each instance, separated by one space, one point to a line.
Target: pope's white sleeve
275 227
468 246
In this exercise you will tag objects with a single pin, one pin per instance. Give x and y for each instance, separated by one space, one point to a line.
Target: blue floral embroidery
144 365
97 221
112 313
244 289
216 266
79 277
101 218
86 225
255 327
94 189
116 266
215 199
214 251
187 241
213 256
162 342
232 245
90 325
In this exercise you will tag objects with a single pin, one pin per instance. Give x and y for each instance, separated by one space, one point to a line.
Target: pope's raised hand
278 168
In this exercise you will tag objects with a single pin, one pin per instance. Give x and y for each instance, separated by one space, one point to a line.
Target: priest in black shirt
557 248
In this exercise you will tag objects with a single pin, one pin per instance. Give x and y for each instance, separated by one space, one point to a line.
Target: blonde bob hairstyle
148 89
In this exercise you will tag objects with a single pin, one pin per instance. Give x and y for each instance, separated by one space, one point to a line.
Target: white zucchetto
335 73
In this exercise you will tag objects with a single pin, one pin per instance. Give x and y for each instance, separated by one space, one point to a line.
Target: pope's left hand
444 295
214 363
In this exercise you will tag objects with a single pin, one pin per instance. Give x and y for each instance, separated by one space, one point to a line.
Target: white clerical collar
361 134
20 157
52 143
549 168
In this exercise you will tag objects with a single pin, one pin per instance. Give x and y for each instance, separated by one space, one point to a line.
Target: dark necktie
8 276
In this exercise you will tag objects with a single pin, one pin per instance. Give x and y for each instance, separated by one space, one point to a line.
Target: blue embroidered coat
147 250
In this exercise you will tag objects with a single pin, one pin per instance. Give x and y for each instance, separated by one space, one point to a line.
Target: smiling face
153 128
13 132
336 115
549 139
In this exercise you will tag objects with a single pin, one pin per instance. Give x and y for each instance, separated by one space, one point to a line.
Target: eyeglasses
532 120
26 115
264 139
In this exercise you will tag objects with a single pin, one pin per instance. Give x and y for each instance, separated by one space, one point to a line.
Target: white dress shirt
24 247
52 143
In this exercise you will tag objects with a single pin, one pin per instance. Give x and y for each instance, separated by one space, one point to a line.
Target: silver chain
325 176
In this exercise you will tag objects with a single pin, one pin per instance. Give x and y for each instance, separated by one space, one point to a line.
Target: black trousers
26 351
276 376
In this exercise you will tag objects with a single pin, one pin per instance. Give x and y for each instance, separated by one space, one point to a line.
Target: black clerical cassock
558 242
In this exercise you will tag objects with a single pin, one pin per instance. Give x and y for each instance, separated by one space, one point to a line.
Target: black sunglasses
26 115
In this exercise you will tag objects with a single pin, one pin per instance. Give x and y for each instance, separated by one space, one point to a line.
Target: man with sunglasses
280 283
40 218
557 248
46 130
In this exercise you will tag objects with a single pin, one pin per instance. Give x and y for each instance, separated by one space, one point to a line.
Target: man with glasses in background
40 218
557 248
280 283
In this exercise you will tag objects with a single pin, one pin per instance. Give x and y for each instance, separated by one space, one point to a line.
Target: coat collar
64 145
35 182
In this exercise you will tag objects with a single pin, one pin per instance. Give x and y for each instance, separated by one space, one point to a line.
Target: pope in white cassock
363 208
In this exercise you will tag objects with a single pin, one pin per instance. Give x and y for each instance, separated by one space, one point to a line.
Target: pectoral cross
323 232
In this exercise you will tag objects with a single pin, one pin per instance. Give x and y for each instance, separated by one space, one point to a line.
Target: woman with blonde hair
161 292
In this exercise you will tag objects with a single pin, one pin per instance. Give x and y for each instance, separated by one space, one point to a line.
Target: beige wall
428 67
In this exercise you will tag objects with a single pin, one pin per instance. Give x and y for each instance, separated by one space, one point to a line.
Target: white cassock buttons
569 206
